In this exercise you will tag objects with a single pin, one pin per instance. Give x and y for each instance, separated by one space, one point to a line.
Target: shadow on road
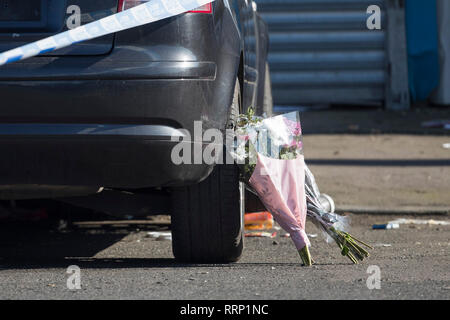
28 241
39 245
133 263
379 163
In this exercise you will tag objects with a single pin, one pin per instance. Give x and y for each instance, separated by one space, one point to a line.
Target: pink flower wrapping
280 184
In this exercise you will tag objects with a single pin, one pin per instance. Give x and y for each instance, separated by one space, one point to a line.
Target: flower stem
306 256
349 245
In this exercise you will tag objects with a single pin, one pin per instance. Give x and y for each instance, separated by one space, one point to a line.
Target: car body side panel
250 54
263 36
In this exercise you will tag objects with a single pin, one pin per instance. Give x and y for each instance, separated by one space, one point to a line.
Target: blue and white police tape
151 11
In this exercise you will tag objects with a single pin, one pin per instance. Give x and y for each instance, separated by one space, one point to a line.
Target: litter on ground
258 221
421 221
159 236
261 234
387 226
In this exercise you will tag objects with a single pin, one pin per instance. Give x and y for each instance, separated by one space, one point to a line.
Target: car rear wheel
207 218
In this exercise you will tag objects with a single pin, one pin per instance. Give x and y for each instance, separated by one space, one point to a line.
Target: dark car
100 116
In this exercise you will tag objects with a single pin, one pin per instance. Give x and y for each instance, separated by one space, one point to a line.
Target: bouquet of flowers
333 225
270 154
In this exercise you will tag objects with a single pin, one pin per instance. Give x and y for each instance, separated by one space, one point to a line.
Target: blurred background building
322 52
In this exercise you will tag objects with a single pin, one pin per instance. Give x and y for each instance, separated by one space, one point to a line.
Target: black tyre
207 218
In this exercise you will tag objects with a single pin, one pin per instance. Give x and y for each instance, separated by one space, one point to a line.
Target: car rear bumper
101 68
119 156
100 91
109 128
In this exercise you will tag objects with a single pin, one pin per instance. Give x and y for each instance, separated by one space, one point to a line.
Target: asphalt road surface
118 262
